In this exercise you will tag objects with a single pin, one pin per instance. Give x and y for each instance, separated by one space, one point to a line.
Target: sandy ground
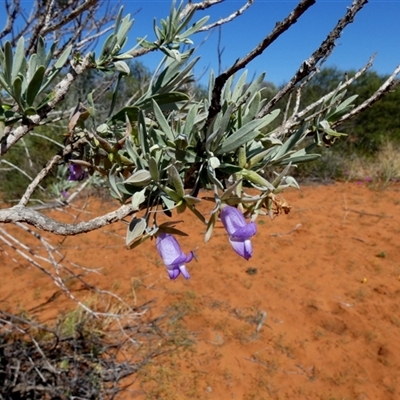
315 314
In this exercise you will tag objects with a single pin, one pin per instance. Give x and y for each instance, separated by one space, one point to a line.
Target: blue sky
376 30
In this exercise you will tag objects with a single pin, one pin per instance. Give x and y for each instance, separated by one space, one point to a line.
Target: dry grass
384 168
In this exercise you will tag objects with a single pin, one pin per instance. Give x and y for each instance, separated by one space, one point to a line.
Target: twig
389 84
369 214
223 21
286 233
279 29
324 50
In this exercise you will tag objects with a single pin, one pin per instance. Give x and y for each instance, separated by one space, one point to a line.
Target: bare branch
59 92
12 14
45 223
389 84
321 53
231 17
280 28
297 117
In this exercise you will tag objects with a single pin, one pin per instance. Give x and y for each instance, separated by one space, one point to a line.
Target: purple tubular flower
172 255
239 231
76 172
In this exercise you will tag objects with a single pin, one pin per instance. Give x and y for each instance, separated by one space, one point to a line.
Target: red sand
327 283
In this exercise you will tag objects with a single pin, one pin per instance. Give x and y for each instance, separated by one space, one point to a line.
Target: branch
32 217
43 173
390 83
31 121
68 18
321 53
12 16
280 28
231 17
297 117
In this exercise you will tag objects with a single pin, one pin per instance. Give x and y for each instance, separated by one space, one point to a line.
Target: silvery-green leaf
289 180
8 63
122 67
190 118
252 108
17 90
162 121
191 200
111 179
257 179
122 33
195 27
138 198
228 192
214 162
290 143
19 57
141 177
40 53
62 59
172 194
143 134
131 112
176 180
153 168
135 229
35 85
238 90
210 227
278 179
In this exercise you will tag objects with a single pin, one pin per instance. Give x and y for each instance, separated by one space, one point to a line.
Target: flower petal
184 272
169 249
172 255
173 273
245 232
242 247
232 219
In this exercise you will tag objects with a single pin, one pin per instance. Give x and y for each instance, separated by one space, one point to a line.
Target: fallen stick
286 233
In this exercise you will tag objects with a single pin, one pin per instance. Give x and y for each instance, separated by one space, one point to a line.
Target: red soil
325 278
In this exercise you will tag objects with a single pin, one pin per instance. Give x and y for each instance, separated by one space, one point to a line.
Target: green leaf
135 229
17 91
8 63
162 122
238 90
138 198
257 179
131 111
62 59
195 27
153 168
35 85
245 134
122 33
141 177
19 58
143 134
122 66
166 101
111 179
176 181
40 53
252 108
50 54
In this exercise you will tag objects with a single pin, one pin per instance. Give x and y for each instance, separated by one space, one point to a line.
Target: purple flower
76 172
172 255
239 231
64 194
